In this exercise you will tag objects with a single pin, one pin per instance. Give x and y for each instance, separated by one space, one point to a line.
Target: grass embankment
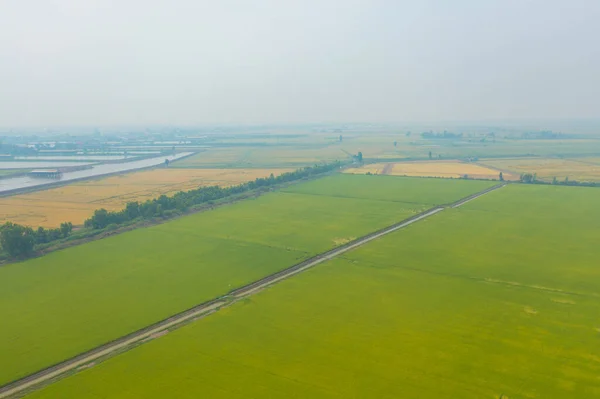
69 301
496 299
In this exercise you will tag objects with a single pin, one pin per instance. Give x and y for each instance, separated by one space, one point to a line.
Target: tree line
531 178
19 241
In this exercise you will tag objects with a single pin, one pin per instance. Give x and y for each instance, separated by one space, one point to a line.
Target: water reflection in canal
96 170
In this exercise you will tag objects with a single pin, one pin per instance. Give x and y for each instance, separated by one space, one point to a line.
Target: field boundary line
208 307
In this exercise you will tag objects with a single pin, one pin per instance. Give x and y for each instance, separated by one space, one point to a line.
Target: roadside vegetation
19 241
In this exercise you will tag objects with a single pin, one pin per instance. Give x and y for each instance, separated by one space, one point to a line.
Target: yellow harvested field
579 169
77 202
449 169
373 168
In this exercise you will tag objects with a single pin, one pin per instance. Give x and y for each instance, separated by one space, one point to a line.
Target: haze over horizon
101 62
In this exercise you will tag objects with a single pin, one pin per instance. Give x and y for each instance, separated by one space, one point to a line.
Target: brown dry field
579 169
448 169
77 202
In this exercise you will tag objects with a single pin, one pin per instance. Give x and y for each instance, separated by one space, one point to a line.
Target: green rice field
68 301
496 299
414 190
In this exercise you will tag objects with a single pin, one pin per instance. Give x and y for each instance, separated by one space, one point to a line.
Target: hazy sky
103 62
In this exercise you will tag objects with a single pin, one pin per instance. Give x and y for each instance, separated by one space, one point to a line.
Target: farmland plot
72 300
496 299
385 188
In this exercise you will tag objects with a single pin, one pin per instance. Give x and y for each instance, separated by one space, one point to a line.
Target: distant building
46 173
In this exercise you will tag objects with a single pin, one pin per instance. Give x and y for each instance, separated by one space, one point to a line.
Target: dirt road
475 196
387 169
209 307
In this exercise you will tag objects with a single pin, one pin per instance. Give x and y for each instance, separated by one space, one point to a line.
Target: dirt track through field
207 308
387 169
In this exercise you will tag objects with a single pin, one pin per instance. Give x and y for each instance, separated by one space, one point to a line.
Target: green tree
54 234
41 235
99 220
17 240
527 178
501 177
554 181
132 209
66 228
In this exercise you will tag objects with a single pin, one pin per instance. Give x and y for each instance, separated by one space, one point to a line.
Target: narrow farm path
475 196
387 169
87 359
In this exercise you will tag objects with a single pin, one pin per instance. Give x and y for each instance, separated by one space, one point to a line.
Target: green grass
384 188
69 301
499 297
